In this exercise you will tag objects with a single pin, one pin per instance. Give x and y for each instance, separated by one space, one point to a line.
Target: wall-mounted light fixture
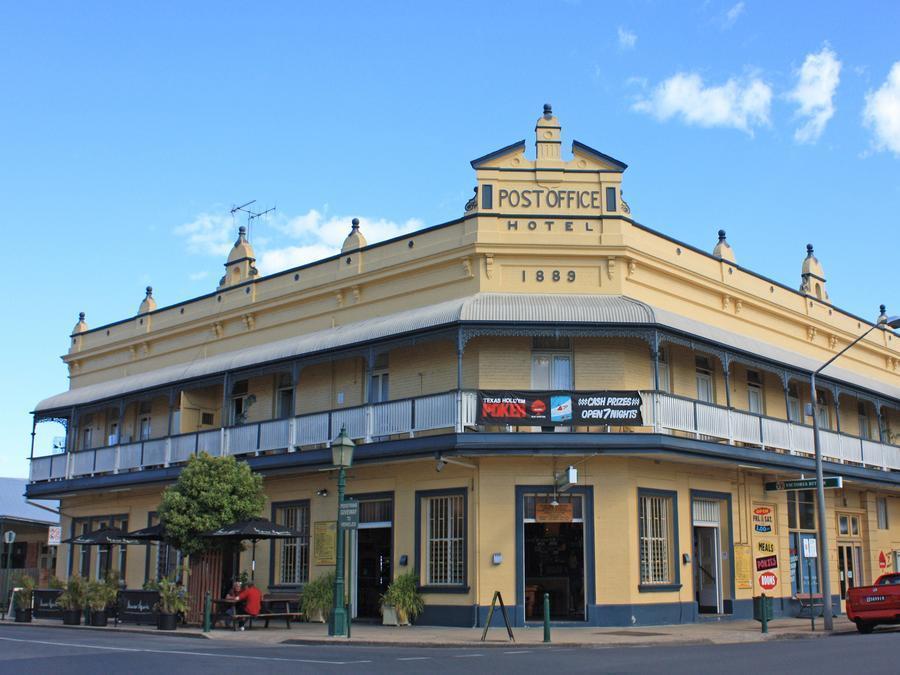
322 493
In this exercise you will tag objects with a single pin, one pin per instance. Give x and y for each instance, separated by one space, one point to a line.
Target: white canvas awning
568 310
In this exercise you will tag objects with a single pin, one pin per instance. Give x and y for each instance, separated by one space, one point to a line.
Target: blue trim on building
588 150
518 145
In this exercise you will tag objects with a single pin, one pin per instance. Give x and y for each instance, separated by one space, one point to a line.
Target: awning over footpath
519 308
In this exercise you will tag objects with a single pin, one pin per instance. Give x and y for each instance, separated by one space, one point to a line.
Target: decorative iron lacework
64 421
468 334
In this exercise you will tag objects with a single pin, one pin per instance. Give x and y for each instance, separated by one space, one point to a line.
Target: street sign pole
8 538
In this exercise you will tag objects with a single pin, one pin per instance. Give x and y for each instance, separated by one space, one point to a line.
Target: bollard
546 617
207 613
349 618
765 614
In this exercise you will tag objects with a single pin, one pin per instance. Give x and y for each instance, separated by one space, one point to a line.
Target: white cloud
732 15
882 112
627 38
289 241
209 234
818 80
739 104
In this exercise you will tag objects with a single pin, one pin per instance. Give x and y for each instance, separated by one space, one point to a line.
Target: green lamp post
342 457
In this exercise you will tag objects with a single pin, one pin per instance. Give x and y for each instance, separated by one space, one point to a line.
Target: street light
883 322
342 457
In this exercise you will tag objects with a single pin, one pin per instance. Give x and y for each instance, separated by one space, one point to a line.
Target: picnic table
284 606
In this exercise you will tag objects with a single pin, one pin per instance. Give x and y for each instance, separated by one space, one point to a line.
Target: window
863 417
112 437
663 370
239 401
292 555
163 560
794 404
284 397
379 380
848 525
822 409
802 523
445 543
144 428
755 392
656 534
207 419
107 559
610 199
86 435
704 380
882 509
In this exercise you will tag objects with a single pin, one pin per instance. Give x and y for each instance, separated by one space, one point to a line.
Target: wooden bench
274 606
809 602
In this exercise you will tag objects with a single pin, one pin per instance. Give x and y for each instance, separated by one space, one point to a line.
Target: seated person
251 599
233 594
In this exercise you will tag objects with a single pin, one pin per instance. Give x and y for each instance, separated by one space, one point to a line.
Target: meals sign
560 408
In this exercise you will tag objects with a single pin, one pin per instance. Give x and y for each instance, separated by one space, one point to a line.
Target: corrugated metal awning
522 308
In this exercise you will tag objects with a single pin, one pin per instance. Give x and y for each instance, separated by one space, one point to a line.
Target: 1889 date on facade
551 275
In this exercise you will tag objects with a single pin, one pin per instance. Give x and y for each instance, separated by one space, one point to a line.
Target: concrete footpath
707 632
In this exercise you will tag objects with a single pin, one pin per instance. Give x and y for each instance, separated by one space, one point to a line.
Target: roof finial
548 111
721 235
242 231
354 224
81 316
149 291
809 250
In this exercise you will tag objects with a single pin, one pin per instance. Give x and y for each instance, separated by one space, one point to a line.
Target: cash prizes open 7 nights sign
560 408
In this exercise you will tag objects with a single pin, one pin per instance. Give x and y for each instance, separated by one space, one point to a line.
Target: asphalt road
28 650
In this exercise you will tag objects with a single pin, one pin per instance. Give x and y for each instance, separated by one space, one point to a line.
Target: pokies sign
560 408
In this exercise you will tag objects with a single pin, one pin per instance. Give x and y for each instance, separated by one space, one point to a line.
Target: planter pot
23 615
316 616
167 621
392 616
71 617
98 618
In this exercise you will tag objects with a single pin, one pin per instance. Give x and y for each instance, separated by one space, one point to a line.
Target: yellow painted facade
548 230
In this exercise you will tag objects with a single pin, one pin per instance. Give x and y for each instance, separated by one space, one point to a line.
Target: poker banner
560 408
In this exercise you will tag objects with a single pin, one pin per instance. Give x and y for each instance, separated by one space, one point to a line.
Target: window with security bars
445 541
655 529
293 554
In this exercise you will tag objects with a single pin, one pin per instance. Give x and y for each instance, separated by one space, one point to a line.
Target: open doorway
371 545
554 557
707 570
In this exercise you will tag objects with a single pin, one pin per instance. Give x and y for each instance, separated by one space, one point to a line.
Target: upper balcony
455 412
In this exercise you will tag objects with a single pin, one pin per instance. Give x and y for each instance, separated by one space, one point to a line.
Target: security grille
655 539
445 541
294 568
706 512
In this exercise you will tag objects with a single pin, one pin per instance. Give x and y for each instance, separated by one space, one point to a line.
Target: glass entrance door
849 566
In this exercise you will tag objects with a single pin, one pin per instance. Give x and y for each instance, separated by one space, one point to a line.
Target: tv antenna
251 214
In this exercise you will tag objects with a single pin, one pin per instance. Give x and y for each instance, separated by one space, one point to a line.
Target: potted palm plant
402 602
72 600
318 598
23 598
98 597
173 601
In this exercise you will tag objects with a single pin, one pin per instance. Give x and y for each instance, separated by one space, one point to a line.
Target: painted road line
519 651
414 658
176 652
466 656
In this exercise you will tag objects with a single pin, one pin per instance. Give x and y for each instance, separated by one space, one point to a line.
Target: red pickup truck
868 606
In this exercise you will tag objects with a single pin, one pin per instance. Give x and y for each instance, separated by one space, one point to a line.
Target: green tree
209 493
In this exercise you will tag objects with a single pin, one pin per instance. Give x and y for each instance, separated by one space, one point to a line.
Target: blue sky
128 130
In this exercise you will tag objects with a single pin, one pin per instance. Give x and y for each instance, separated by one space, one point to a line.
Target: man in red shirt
251 599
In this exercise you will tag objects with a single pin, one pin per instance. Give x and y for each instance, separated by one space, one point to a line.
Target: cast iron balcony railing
452 411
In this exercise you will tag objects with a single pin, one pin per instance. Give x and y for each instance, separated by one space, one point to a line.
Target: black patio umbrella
148 534
106 536
254 530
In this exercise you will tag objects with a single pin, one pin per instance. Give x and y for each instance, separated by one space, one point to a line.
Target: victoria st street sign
805 484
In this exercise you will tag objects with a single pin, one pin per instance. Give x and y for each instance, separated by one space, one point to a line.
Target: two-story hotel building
472 363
